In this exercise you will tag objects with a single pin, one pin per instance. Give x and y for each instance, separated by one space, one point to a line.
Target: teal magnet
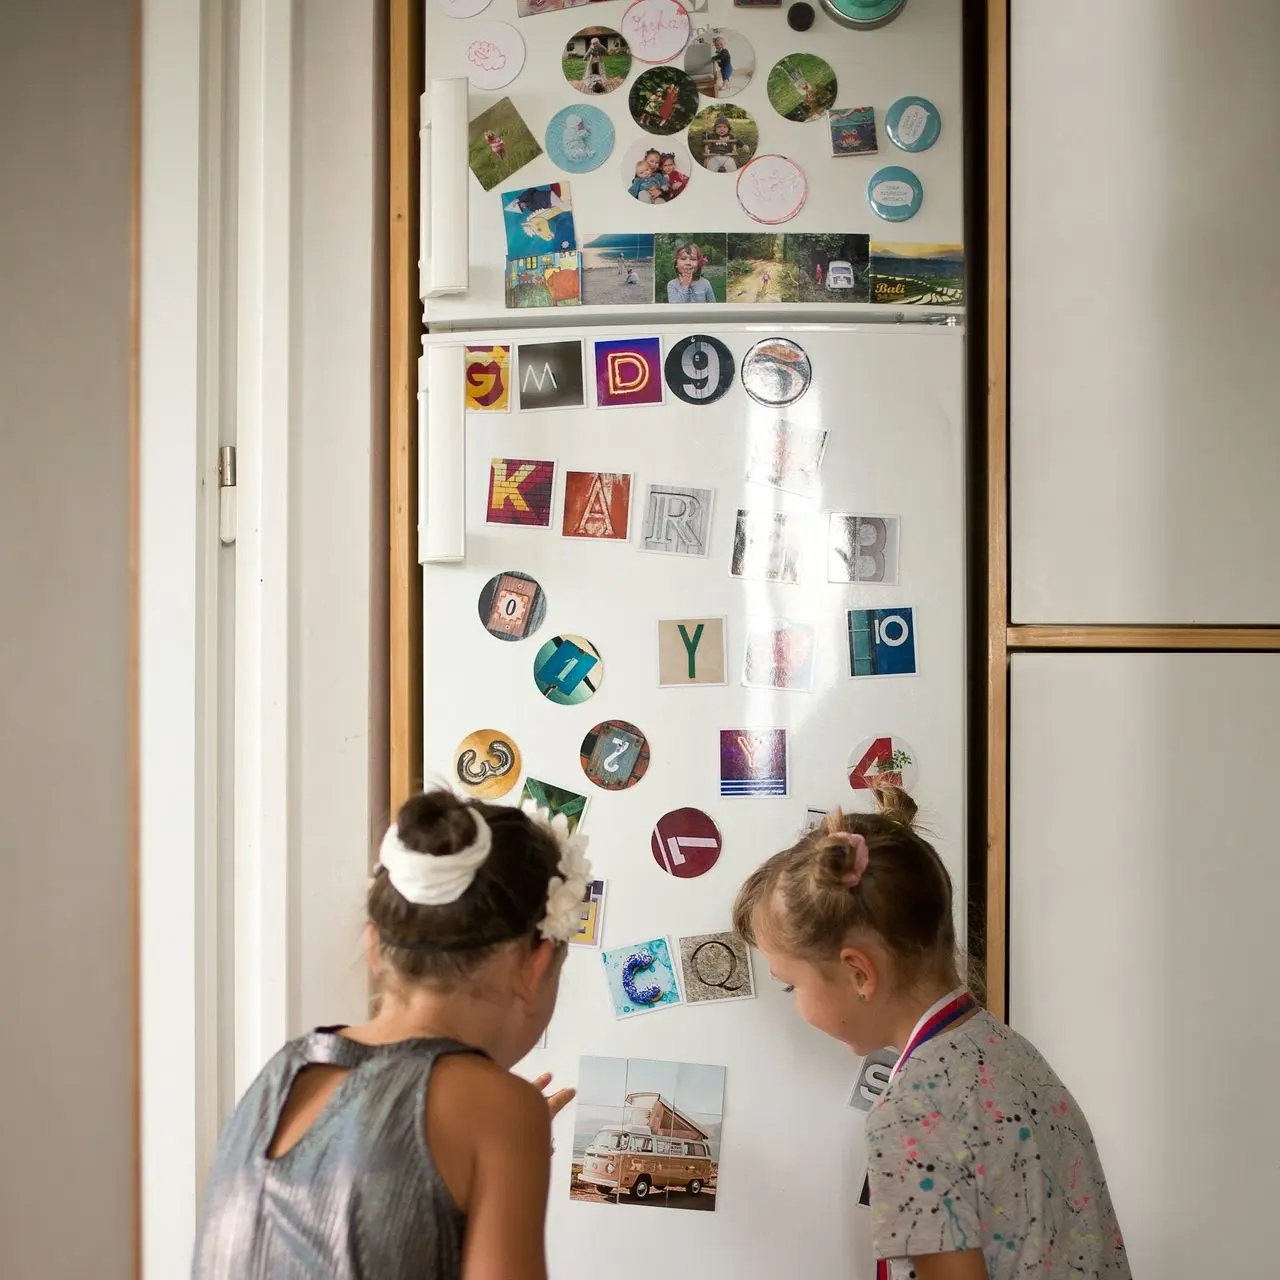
913 124
895 194
864 15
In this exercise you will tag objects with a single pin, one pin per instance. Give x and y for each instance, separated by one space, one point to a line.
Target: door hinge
227 494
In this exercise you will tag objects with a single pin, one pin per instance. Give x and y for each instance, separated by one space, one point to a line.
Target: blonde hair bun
895 803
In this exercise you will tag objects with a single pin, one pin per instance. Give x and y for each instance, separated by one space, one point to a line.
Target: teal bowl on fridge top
864 15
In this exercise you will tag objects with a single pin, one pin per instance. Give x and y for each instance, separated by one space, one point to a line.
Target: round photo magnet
596 60
913 124
894 194
579 138
663 100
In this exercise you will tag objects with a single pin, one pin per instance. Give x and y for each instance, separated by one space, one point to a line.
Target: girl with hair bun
980 1163
405 1147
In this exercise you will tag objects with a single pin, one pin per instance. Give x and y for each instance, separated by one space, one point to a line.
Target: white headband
431 880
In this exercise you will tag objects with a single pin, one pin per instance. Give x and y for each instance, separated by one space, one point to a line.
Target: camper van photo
633 1140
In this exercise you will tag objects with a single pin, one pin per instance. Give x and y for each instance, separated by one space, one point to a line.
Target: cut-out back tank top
357 1197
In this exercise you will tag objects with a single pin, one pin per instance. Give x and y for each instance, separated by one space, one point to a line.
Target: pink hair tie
861 856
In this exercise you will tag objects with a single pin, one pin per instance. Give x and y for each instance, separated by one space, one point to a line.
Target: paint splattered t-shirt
977 1144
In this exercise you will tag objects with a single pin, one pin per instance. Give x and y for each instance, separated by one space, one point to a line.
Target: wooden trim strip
996 957
405 602
134 676
1143 638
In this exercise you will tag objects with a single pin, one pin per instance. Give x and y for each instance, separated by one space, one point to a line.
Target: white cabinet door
1143 884
1144 340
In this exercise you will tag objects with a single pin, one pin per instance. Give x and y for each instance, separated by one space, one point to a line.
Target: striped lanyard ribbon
937 1018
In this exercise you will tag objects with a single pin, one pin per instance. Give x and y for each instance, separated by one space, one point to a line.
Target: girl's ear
860 970
537 962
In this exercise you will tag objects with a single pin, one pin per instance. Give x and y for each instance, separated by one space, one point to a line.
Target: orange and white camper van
658 1148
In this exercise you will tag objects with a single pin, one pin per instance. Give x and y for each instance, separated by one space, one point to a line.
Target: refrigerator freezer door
919 53
890 399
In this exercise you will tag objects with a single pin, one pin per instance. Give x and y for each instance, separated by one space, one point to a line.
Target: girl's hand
556 1102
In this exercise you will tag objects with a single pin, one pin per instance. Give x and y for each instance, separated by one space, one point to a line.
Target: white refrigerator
692 573
463 225
563 548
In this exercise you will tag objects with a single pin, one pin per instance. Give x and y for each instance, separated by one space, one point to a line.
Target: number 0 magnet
615 755
699 369
512 605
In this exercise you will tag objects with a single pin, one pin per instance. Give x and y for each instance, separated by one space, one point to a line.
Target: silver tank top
358 1197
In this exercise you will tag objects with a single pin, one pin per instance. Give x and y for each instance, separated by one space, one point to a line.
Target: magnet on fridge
883 761
495 55
894 193
656 30
913 124
579 138
801 86
663 100
800 16
720 61
487 763
686 843
596 60
512 605
567 670
462 8
772 189
614 755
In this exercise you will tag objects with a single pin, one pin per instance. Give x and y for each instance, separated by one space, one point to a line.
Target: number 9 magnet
699 369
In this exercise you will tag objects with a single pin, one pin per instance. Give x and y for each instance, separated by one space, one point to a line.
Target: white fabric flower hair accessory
566 890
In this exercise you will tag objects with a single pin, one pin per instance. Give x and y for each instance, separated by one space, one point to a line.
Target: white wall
1145 294
67 1191
1142 897
339 482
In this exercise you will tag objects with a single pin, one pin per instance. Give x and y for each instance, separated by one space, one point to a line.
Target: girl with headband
405 1147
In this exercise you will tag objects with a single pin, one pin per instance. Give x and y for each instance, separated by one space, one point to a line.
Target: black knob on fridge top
800 17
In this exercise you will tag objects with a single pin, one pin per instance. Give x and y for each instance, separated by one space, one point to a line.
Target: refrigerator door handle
442 456
444 252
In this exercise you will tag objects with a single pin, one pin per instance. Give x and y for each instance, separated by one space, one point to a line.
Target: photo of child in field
499 143
596 60
757 272
723 138
801 87
690 268
663 100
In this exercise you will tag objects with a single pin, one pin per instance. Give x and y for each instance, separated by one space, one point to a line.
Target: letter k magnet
628 372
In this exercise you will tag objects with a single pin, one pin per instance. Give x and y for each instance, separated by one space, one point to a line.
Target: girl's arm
968 1265
489 1134
507 1209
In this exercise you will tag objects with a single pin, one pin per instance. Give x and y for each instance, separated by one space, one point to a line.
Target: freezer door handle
442 456
444 252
